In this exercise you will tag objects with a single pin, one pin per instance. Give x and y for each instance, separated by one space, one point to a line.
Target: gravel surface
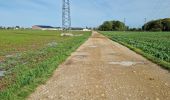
105 70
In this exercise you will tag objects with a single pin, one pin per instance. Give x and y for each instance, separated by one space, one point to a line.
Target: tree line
112 26
154 25
157 25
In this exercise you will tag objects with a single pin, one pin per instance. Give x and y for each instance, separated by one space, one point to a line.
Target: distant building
86 29
43 27
80 29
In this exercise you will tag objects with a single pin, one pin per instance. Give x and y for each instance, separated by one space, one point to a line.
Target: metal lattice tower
66 18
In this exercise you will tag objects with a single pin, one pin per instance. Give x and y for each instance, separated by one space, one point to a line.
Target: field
16 41
153 45
29 58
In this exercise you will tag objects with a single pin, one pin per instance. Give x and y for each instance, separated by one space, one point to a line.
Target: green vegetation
34 57
15 41
158 25
152 45
154 25
112 26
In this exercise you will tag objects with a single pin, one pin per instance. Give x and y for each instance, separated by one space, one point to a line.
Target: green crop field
15 41
153 45
29 58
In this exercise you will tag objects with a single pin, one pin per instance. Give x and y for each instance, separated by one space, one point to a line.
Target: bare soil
105 70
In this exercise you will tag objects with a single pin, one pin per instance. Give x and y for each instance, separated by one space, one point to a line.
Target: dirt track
104 70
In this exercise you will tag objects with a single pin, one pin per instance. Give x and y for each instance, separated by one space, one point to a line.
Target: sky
84 13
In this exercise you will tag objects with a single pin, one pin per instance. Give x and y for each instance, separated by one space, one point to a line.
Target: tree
166 24
106 26
112 26
118 26
157 25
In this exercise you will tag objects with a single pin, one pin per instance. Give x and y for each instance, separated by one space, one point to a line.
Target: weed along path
104 70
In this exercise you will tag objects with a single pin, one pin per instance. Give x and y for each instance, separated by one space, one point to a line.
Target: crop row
153 44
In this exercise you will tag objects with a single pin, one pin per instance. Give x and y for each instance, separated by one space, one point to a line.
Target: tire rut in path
105 70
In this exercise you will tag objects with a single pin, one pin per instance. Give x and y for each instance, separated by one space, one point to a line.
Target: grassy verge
32 68
164 64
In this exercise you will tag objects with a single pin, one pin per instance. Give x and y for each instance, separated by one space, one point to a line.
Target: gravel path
104 70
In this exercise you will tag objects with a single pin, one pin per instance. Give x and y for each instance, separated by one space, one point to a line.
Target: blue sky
83 12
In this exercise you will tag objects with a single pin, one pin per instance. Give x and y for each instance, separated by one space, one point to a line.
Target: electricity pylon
66 17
